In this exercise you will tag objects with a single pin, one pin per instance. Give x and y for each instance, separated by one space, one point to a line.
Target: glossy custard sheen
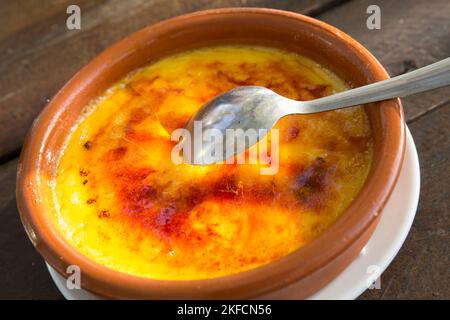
123 203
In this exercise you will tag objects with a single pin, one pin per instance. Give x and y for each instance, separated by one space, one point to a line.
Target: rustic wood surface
34 42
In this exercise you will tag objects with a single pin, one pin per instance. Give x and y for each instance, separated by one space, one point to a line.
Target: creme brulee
123 203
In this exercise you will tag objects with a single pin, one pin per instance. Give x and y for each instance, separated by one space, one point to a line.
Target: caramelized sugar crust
123 203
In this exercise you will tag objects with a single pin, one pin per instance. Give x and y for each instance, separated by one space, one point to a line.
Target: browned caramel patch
115 154
103 214
315 184
83 172
87 145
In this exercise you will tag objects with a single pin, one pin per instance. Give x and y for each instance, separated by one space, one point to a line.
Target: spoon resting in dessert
257 109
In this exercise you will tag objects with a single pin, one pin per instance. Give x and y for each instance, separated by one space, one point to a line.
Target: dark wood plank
38 59
420 271
23 272
413 34
19 14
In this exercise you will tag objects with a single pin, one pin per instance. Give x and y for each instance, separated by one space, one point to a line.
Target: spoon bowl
234 121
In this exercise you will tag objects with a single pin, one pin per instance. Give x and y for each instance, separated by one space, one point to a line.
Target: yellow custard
123 203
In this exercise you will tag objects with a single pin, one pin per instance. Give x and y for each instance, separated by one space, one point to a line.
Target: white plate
398 216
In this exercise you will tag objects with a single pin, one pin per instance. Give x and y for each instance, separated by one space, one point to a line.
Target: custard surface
124 204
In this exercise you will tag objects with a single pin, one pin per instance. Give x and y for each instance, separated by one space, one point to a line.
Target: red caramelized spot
138 136
142 85
332 145
165 215
225 77
170 219
152 208
115 154
263 192
142 198
137 116
103 214
292 133
192 196
227 188
137 197
169 222
359 142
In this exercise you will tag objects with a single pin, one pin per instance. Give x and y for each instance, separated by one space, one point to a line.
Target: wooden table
38 55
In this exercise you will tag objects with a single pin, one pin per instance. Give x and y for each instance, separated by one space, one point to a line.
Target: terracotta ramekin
297 275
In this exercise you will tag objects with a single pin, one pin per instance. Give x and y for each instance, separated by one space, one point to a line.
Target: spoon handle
430 77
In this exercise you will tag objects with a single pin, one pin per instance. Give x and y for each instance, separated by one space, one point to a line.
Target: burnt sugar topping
123 203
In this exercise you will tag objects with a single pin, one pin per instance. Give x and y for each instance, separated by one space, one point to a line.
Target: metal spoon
259 108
